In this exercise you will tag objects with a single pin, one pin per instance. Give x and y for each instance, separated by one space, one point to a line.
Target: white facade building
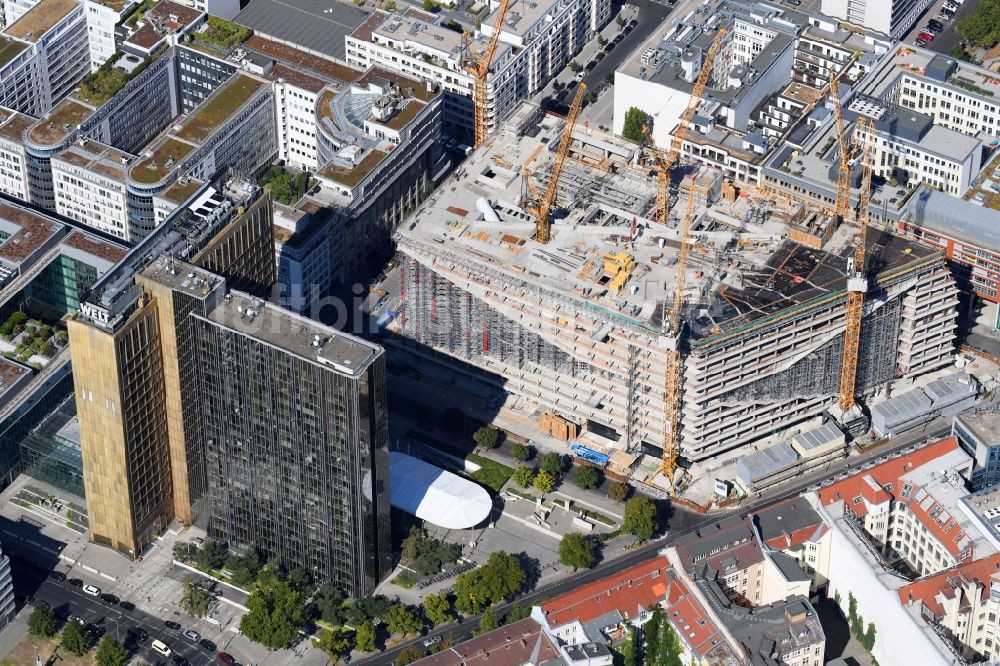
13 159
89 184
102 17
302 254
890 17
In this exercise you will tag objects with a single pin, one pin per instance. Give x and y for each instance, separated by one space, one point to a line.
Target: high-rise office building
129 376
293 418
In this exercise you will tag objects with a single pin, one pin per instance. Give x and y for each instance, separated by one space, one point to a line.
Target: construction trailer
577 325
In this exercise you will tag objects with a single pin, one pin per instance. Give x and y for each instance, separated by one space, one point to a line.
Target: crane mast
857 283
680 133
544 205
479 67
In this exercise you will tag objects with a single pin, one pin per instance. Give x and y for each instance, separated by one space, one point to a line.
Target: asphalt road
66 600
463 631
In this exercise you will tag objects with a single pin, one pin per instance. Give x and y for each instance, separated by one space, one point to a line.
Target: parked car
127 605
110 598
431 640
208 645
920 42
96 630
226 658
76 582
92 590
936 24
57 575
161 647
926 36
181 661
192 635
170 624
931 29
140 633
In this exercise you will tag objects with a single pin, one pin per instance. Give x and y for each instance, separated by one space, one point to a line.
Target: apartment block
889 17
793 528
102 17
7 602
13 158
88 179
302 253
43 55
978 433
320 395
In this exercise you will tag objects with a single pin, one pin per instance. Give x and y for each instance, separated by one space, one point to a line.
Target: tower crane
857 282
668 161
843 201
672 381
479 66
543 207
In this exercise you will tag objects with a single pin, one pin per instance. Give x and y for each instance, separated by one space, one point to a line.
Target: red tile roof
948 583
639 586
513 645
689 618
884 483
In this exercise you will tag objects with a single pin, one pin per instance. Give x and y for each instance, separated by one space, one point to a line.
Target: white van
161 647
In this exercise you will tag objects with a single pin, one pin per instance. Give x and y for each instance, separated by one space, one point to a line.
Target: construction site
655 311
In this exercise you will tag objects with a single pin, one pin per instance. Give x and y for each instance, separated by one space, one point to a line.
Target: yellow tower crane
543 206
668 161
857 282
673 376
479 66
842 203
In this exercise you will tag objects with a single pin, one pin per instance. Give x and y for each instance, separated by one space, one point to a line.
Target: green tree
275 615
437 609
574 66
195 600
982 27
486 437
429 5
335 643
628 649
427 556
618 491
634 125
401 620
668 647
516 613
587 477
522 452
111 653
577 551
868 639
488 622
329 602
300 580
41 623
544 482
554 464
364 637
524 476
407 656
500 578
651 634
211 556
74 639
640 518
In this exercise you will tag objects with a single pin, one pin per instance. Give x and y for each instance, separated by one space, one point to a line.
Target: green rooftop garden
223 34
219 107
9 49
153 169
98 87
352 176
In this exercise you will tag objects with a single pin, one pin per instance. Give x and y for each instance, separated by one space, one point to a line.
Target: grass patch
492 474
599 517
404 580
518 493
220 106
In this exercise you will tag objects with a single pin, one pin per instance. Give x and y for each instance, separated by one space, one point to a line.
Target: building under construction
576 325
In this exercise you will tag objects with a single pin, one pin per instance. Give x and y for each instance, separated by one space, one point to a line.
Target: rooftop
915 480
96 157
955 218
294 334
720 549
350 177
223 103
64 119
10 373
692 621
789 524
932 591
628 591
409 86
40 19
407 30
323 67
182 277
315 25
32 231
154 168
515 644
10 49
15 125
297 78
983 422
95 246
165 18
180 191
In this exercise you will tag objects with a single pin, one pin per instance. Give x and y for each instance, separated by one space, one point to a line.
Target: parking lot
948 38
